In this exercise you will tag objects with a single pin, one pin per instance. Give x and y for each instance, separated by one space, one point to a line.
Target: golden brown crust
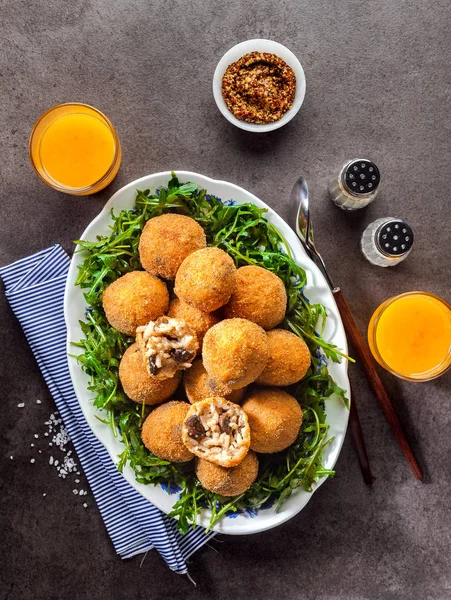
162 432
218 431
228 482
198 386
138 384
198 320
275 419
235 352
259 296
166 241
289 359
206 279
133 300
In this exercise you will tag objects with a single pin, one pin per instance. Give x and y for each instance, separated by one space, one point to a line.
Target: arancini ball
218 431
275 419
198 320
168 345
289 359
260 296
235 352
206 279
162 432
228 482
133 300
138 384
166 241
198 386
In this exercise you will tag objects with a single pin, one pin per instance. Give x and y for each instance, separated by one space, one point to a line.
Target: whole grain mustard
259 87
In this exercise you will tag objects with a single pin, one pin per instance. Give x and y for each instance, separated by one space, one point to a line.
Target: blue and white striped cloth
35 291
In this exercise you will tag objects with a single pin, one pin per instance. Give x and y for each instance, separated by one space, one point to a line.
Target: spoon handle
367 362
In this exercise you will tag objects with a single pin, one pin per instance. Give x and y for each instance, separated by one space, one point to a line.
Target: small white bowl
259 45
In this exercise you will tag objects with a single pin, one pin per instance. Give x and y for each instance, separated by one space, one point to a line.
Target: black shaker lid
361 176
394 237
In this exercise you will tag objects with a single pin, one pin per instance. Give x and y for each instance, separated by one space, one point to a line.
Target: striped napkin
35 290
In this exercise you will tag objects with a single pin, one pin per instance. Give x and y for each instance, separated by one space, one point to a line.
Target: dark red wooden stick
370 368
359 441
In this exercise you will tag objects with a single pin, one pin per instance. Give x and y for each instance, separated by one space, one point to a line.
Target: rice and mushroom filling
217 430
168 345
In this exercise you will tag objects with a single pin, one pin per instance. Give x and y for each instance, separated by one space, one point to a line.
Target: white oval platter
316 290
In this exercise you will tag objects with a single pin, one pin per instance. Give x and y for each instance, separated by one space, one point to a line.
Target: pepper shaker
387 242
357 184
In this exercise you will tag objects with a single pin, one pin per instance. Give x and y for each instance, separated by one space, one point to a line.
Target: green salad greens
243 232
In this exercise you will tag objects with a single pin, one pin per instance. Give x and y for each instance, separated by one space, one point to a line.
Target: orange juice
410 335
74 148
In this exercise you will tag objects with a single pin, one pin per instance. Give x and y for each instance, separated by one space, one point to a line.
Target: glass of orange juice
410 336
74 148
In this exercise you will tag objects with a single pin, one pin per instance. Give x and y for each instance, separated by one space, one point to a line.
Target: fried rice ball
198 320
259 296
198 386
166 241
235 352
133 300
206 279
289 359
228 482
138 384
275 419
162 432
218 431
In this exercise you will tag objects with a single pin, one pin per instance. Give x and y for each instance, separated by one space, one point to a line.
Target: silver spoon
299 215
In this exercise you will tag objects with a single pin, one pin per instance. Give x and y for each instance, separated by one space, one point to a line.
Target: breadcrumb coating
228 482
198 386
138 384
166 241
235 352
206 279
198 320
133 300
275 419
260 296
289 359
162 432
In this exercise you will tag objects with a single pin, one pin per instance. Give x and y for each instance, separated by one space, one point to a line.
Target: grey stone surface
379 85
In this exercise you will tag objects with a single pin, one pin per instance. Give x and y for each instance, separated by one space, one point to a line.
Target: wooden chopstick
359 441
373 376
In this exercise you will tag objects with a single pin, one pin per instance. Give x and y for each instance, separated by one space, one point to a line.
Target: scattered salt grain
46 434
38 402
44 494
21 405
75 492
51 460
11 457
32 460
36 435
56 463
32 445
85 505
77 481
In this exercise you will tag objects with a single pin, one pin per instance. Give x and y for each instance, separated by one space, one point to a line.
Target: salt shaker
387 242
357 184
